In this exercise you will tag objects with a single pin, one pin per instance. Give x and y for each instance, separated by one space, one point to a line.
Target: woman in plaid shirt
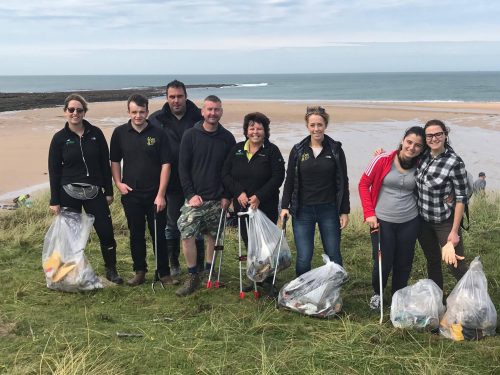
442 194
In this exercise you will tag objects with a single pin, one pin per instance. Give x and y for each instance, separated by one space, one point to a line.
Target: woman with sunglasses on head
79 171
387 192
316 191
442 194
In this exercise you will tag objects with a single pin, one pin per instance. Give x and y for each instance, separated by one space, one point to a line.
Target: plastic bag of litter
418 306
317 292
64 263
263 242
471 314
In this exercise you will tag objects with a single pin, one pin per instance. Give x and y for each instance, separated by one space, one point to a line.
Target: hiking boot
375 302
112 275
138 279
190 285
175 270
169 280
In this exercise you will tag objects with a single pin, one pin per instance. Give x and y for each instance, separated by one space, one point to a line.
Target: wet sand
361 126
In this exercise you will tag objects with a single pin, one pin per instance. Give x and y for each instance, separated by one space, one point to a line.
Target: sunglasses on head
319 110
78 110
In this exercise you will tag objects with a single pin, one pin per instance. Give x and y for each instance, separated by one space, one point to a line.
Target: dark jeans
304 226
138 207
103 225
432 237
397 244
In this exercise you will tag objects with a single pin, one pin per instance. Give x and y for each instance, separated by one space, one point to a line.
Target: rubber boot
200 254
109 256
174 249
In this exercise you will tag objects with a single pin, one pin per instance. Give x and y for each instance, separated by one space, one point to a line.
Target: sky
250 36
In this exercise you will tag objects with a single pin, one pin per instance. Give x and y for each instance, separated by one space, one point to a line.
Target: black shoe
113 276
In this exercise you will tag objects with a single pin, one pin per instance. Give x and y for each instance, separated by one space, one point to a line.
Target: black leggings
397 244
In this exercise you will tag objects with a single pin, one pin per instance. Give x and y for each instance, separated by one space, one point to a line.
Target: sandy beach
361 126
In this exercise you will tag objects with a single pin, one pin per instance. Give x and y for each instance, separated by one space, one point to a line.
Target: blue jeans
304 225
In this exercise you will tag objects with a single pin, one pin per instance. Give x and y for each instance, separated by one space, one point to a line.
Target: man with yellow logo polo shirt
146 171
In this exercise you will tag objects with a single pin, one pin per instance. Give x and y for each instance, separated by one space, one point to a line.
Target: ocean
436 86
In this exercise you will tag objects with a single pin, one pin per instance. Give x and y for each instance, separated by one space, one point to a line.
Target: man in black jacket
177 115
204 149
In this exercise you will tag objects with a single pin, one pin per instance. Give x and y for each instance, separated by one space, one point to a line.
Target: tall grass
213 331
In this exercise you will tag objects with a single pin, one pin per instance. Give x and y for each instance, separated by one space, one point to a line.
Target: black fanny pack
81 191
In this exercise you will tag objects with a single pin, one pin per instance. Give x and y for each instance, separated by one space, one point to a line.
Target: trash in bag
470 313
263 241
418 306
64 263
316 292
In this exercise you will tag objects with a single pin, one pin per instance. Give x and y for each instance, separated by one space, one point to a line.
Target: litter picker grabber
156 277
243 258
218 247
272 291
381 288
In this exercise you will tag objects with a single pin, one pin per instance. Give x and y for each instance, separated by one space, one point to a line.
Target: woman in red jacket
387 192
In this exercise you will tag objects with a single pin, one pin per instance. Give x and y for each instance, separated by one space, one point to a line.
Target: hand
224 203
243 200
378 151
372 222
195 201
56 210
254 202
123 188
448 255
449 199
109 199
284 212
344 219
160 203
454 238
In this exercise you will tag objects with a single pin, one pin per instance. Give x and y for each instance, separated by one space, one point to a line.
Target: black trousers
103 225
271 211
432 237
397 244
138 207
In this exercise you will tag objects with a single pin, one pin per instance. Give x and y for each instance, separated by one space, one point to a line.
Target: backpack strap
466 215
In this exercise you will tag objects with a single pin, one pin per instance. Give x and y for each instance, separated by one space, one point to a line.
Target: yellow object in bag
52 264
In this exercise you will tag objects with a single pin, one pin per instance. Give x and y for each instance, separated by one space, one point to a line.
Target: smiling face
212 112
256 133
411 146
435 138
137 114
75 118
316 126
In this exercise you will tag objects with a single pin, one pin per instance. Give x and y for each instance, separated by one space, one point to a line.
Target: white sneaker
375 302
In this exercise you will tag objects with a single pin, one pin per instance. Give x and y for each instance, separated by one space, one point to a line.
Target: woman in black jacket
79 171
316 191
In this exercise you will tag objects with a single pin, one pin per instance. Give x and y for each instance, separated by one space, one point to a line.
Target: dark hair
138 99
258 118
213 99
443 127
419 132
78 98
177 85
317 110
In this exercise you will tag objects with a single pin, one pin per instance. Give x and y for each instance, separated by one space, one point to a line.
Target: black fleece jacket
174 129
262 175
74 159
201 159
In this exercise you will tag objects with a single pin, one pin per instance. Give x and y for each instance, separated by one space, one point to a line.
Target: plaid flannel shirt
437 179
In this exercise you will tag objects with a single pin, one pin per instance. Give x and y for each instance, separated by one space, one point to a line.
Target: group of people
179 168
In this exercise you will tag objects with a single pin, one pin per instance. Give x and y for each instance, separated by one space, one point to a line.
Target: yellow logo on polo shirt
305 156
151 141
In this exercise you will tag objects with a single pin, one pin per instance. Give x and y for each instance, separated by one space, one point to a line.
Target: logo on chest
150 141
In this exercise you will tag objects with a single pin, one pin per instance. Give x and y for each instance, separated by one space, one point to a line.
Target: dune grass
213 331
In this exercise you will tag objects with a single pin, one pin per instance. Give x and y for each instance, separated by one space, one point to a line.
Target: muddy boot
138 279
168 280
200 254
109 256
174 248
190 285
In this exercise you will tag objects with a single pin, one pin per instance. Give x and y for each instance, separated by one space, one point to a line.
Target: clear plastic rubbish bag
64 263
263 241
470 313
418 306
317 292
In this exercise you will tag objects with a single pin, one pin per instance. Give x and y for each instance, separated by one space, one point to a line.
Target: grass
213 331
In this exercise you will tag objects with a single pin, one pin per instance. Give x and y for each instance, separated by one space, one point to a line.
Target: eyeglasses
436 135
78 110
311 110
